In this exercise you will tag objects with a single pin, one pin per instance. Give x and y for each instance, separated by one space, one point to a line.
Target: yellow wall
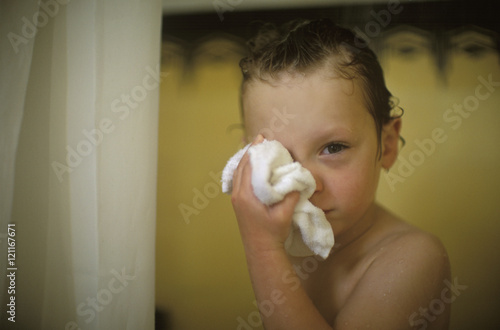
201 272
201 275
454 192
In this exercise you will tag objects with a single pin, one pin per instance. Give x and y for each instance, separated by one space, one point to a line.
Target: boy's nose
316 196
314 199
319 183
317 179
310 167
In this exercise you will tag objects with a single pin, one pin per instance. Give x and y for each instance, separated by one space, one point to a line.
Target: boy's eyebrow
332 132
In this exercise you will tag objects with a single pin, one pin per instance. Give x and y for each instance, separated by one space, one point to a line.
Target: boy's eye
333 148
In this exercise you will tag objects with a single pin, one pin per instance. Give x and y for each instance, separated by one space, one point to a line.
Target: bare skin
381 269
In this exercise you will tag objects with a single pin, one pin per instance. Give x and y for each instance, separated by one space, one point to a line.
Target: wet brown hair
303 46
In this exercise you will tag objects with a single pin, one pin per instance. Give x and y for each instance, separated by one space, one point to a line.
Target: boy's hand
262 228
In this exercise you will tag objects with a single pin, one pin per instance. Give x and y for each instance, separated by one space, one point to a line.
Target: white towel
274 175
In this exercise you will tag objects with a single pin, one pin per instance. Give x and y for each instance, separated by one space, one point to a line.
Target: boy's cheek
351 187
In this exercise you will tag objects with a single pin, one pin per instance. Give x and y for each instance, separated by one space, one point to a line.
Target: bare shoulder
413 255
408 271
408 248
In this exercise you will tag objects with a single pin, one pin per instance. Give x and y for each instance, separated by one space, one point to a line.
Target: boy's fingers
243 165
287 206
238 173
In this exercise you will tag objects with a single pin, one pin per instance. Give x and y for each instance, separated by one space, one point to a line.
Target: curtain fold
15 63
79 152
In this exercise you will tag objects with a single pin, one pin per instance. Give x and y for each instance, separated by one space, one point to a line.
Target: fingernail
258 139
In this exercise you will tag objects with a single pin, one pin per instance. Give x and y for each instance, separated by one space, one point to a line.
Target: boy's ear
390 142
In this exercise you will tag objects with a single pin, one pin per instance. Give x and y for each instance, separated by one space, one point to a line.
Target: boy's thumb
291 200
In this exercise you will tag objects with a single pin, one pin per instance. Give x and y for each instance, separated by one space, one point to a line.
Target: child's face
325 125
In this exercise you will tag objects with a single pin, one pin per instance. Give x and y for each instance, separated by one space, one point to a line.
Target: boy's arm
264 230
281 305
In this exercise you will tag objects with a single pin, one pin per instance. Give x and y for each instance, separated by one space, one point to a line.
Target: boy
341 128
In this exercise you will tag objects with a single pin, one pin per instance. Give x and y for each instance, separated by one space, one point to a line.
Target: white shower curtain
78 139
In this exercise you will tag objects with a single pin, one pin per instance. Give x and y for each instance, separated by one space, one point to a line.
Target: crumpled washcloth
274 175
